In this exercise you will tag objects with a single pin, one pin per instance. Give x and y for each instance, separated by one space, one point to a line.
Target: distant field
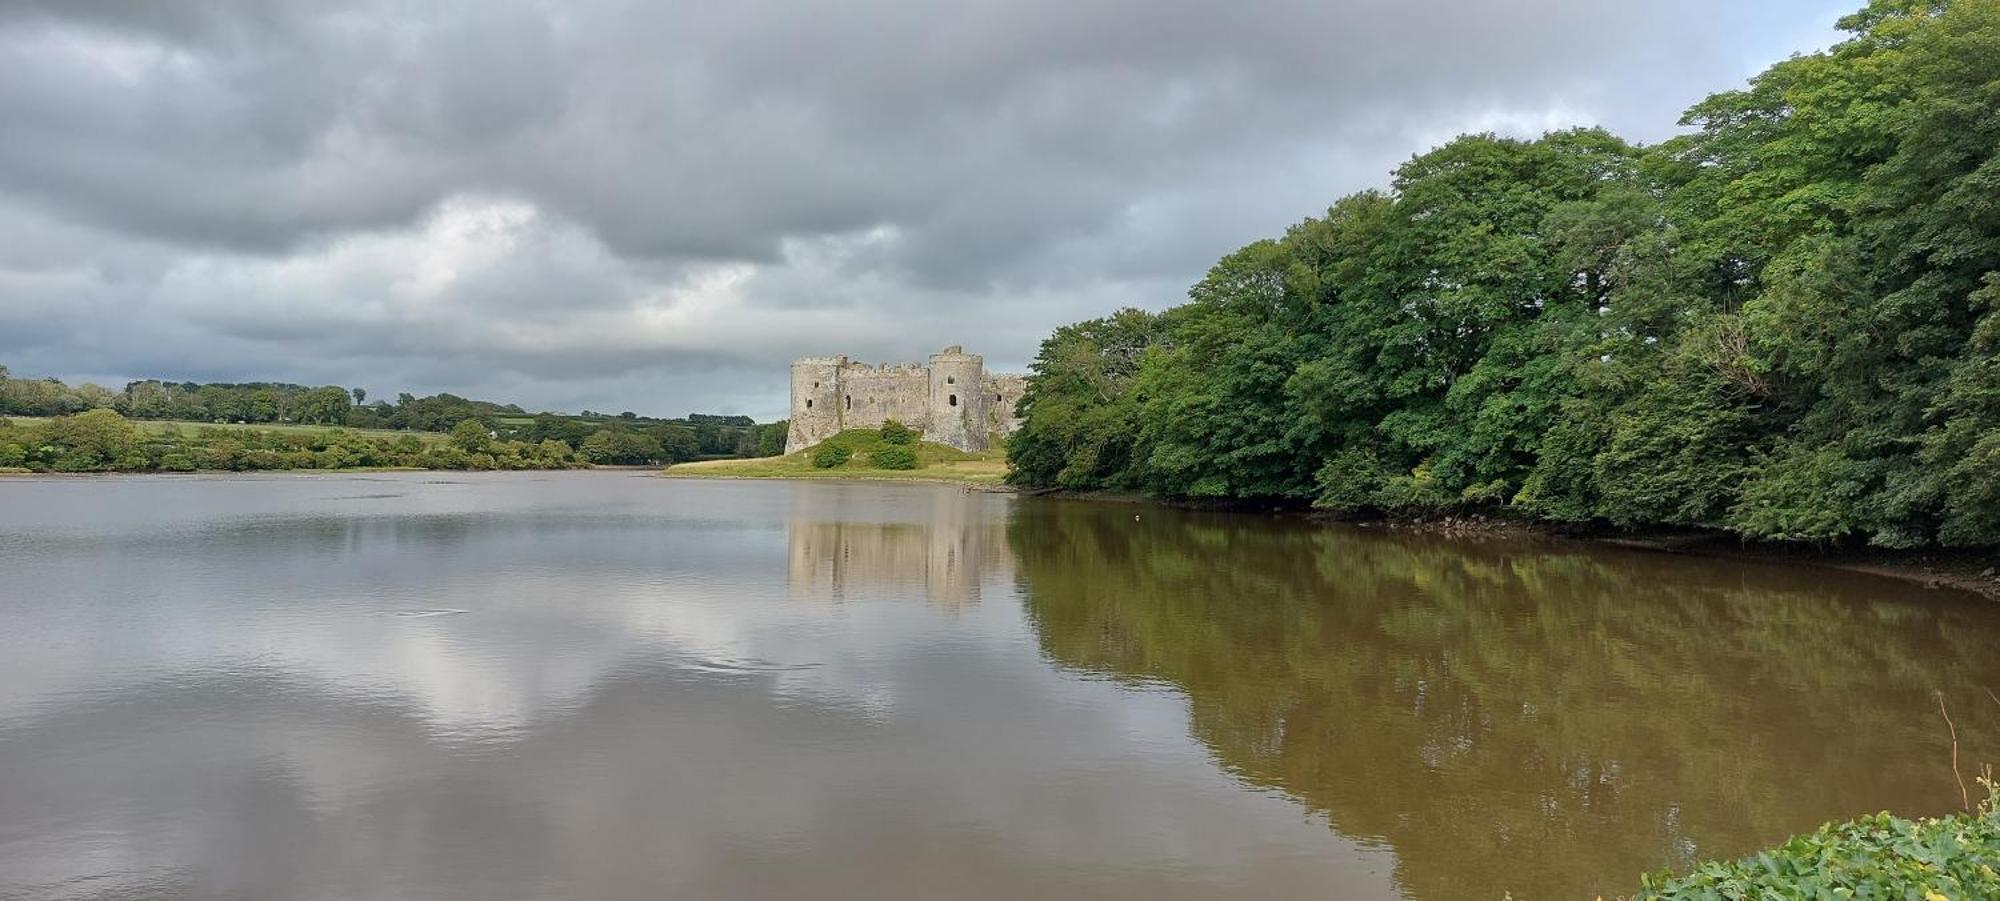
938 464
170 427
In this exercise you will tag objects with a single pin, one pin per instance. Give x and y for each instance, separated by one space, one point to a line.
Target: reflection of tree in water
947 551
1544 719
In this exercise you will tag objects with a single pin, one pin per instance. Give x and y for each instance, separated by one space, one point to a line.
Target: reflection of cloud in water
544 603
635 703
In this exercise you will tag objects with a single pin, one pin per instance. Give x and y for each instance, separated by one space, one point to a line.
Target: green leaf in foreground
1952 858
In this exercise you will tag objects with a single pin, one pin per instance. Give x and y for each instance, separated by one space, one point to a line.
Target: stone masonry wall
952 401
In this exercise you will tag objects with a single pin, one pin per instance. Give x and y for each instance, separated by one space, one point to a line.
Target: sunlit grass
936 463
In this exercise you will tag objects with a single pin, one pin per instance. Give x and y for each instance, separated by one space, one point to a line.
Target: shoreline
345 470
985 472
1976 571
844 477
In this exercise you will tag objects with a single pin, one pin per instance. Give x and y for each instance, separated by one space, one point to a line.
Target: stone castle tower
953 400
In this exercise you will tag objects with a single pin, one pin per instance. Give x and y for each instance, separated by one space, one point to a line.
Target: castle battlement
875 367
952 400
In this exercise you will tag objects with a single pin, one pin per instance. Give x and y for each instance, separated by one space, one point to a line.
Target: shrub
894 432
830 456
93 440
446 456
75 462
1876 856
335 457
553 451
223 454
895 456
620 448
262 459
471 436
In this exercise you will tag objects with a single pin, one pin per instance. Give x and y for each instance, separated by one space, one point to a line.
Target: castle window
954 400
809 403
815 384
850 402
951 380
998 399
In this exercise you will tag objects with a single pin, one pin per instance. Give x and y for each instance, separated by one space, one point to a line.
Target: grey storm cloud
652 206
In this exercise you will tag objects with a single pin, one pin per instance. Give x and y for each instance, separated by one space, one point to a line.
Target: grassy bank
934 463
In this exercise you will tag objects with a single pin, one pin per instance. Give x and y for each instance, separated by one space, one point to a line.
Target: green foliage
862 452
103 441
1877 856
895 456
894 432
325 406
677 443
89 441
830 455
1079 414
552 451
621 448
471 436
1782 323
699 435
870 448
771 438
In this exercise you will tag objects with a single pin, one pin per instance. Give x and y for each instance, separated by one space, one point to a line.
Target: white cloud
624 205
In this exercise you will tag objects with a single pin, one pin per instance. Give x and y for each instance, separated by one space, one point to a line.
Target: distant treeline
625 438
102 440
1785 323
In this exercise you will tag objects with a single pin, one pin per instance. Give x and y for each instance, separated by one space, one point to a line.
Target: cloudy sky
654 206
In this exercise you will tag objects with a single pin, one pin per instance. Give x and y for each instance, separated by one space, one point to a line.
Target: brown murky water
600 685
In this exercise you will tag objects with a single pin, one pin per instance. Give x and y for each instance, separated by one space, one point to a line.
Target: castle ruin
952 401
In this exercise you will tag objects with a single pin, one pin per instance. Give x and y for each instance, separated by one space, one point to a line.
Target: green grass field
935 463
173 427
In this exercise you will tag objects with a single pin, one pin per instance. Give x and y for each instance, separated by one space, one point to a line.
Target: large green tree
1783 322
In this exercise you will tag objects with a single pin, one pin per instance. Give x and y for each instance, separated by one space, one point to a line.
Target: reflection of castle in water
948 553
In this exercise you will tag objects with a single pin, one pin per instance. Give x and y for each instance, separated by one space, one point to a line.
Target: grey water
613 685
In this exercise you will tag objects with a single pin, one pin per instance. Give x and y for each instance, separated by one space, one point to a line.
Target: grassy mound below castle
890 452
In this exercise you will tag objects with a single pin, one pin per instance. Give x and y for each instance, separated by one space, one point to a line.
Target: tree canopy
1783 322
632 439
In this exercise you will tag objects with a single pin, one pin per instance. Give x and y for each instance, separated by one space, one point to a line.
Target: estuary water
612 685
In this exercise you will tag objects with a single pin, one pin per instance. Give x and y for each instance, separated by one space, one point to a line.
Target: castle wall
958 400
951 553
872 395
815 405
951 401
1003 414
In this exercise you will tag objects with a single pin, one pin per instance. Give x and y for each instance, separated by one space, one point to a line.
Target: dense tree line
1783 322
622 439
103 441
255 402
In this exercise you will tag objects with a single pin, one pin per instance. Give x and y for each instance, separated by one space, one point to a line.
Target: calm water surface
603 685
